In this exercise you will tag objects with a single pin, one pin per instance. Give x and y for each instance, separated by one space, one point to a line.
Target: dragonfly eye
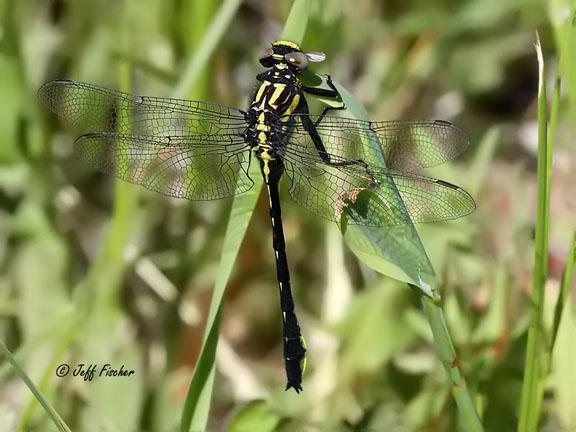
297 59
265 57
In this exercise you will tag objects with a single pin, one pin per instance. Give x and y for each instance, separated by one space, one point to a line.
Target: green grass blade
197 405
469 417
533 384
198 62
565 286
56 419
295 26
569 267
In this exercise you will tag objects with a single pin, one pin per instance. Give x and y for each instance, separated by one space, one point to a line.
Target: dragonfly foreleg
310 127
331 93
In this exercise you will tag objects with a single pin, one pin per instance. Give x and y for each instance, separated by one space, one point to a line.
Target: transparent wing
328 191
89 108
185 149
403 146
196 167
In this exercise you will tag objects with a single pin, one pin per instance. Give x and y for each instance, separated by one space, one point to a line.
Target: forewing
185 149
402 146
196 167
89 108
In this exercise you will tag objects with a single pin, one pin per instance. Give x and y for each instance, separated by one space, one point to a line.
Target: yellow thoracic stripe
263 87
292 107
278 89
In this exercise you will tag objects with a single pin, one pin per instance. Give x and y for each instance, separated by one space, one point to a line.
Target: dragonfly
203 151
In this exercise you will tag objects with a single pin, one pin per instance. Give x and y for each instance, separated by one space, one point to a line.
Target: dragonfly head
289 54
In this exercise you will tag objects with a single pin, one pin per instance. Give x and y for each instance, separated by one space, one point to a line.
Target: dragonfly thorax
278 96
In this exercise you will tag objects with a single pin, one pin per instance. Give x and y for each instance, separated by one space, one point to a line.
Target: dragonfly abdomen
278 96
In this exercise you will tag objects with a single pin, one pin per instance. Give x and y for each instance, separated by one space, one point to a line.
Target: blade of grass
445 349
206 47
297 21
568 269
56 419
565 286
533 383
197 404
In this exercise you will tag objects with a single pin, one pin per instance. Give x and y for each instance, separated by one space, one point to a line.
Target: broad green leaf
395 250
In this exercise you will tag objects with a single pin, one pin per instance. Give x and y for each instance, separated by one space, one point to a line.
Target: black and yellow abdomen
277 97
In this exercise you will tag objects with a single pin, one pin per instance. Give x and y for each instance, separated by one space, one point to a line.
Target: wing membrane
89 108
195 167
403 146
372 195
196 150
185 149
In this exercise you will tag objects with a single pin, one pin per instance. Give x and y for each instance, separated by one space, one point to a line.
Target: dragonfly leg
310 127
331 93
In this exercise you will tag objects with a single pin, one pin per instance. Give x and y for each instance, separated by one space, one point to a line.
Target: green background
95 272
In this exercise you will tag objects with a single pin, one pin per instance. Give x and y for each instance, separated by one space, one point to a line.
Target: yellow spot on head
287 43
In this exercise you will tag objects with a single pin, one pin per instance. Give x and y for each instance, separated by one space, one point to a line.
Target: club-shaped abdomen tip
296 387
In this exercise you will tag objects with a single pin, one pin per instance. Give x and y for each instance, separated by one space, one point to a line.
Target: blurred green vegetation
96 272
